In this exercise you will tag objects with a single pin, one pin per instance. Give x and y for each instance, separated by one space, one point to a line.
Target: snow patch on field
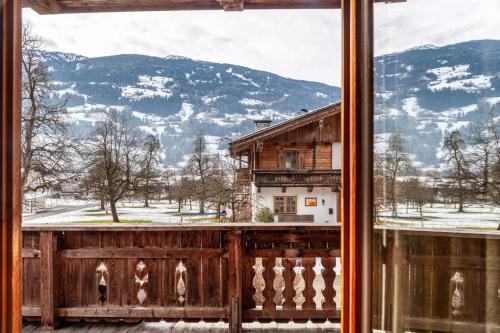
457 78
251 102
186 112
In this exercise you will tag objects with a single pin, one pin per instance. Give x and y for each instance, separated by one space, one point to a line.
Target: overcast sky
302 44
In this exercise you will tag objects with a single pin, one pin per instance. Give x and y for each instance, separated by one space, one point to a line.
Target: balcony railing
243 176
424 280
295 178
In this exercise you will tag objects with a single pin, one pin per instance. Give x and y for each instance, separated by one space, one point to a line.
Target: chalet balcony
296 178
243 176
253 273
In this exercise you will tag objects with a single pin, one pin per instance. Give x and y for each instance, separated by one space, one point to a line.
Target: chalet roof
95 6
243 142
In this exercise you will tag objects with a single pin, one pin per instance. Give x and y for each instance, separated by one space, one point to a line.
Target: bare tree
114 158
168 179
150 164
200 167
396 160
458 165
46 150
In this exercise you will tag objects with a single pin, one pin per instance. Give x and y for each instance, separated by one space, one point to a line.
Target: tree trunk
179 206
202 206
146 195
103 204
112 204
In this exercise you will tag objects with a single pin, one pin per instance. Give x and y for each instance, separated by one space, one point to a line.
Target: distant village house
293 167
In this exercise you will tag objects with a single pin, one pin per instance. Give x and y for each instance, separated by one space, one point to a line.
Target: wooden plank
10 166
47 287
44 6
31 311
151 253
30 253
292 238
446 325
456 262
234 291
142 312
291 253
296 314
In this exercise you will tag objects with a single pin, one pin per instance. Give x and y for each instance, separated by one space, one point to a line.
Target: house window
285 205
291 160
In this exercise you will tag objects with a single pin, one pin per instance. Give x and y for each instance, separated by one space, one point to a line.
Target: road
57 211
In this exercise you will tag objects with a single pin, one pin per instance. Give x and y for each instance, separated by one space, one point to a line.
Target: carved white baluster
299 284
102 286
279 284
181 285
141 278
258 283
457 298
318 284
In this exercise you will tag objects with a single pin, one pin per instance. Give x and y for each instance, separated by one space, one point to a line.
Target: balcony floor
183 327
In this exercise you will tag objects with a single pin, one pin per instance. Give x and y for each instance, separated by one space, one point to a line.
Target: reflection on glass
437 167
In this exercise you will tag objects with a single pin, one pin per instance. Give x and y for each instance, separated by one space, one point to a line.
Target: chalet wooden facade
293 167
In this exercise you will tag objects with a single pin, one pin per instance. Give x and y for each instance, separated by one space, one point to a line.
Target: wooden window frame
285 204
357 156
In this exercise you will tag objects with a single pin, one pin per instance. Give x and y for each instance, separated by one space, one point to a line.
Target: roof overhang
95 6
243 143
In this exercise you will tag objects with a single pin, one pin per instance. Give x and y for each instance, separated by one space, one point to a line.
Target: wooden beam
43 6
292 253
47 283
142 312
109 253
10 166
232 5
357 126
235 281
331 314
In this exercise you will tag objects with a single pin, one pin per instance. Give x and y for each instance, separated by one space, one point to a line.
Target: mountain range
424 93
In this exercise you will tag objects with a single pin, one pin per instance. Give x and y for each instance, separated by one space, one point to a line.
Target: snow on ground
480 217
251 102
186 111
131 212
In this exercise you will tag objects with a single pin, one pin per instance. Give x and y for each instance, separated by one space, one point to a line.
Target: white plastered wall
321 211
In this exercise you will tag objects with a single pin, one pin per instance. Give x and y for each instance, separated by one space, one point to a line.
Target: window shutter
301 161
281 160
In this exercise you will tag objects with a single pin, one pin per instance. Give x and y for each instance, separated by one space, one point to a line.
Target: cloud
302 44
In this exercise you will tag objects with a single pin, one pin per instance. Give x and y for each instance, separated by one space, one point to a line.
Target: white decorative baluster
457 298
318 284
102 285
258 283
299 284
141 277
279 284
181 285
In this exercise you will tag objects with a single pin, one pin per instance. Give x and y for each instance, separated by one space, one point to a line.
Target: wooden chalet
293 167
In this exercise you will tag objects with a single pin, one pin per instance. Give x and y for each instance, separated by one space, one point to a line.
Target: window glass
436 166
291 160
291 206
279 205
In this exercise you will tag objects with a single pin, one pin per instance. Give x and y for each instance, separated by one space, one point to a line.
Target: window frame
357 155
285 204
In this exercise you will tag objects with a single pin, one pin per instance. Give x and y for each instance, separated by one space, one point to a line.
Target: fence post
48 246
234 267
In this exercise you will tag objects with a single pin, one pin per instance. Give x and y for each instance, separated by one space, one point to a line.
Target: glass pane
291 160
291 206
437 166
279 204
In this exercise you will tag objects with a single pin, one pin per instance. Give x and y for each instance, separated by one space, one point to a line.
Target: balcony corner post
235 293
48 247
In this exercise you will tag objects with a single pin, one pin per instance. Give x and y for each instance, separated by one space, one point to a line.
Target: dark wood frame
357 129
285 196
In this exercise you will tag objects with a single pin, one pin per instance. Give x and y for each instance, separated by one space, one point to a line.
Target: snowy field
475 217
128 212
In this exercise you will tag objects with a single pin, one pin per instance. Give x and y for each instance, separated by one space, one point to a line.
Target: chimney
261 124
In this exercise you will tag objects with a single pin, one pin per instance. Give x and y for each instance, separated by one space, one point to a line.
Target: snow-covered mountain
424 92
177 97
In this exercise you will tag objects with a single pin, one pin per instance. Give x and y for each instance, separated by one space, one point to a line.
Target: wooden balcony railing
210 273
279 178
424 280
436 281
243 176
